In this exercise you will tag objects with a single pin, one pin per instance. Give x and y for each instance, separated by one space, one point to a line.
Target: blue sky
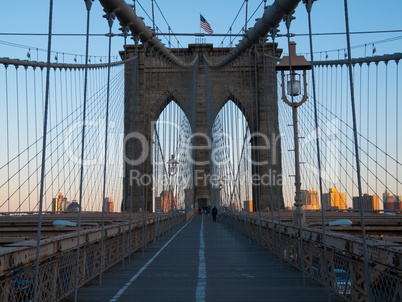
183 16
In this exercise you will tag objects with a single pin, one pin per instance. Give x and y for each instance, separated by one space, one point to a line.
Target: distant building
309 198
64 205
334 199
59 204
248 205
108 204
392 202
370 202
164 202
73 207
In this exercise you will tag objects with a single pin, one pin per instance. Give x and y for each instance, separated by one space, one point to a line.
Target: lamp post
292 63
172 170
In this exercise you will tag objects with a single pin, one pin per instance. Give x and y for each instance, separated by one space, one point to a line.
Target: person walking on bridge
214 213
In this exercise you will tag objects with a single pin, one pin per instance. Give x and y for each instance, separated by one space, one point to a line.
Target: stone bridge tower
151 84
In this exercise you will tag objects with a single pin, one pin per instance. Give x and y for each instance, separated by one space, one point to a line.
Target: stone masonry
151 84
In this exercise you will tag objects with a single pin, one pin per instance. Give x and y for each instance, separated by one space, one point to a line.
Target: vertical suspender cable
331 96
376 127
56 165
143 164
368 125
245 172
177 125
125 33
397 132
88 4
230 156
345 114
367 276
245 88
174 146
63 103
340 114
42 181
165 148
18 137
386 125
171 151
27 121
51 136
135 100
75 97
36 133
223 160
252 134
149 139
110 17
231 122
8 142
156 159
324 239
225 156
226 142
248 154
276 145
235 128
43 86
239 155
257 117
360 103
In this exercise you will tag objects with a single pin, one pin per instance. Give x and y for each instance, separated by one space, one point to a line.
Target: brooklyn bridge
257 164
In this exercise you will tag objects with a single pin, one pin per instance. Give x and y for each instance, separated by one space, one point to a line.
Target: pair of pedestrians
214 212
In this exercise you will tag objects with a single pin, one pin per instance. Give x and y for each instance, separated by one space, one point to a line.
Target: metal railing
57 273
346 268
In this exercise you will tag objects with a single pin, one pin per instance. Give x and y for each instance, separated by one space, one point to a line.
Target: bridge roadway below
235 270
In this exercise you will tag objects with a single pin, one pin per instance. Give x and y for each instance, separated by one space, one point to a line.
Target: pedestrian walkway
203 261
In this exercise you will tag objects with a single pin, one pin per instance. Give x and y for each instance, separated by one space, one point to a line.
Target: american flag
205 25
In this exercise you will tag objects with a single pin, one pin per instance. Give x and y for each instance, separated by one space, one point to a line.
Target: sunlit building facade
334 199
108 205
165 202
59 204
248 206
310 200
392 202
370 202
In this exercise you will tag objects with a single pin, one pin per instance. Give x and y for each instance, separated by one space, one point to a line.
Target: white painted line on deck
129 282
202 274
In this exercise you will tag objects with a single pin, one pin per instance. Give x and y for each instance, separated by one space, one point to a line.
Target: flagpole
200 26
